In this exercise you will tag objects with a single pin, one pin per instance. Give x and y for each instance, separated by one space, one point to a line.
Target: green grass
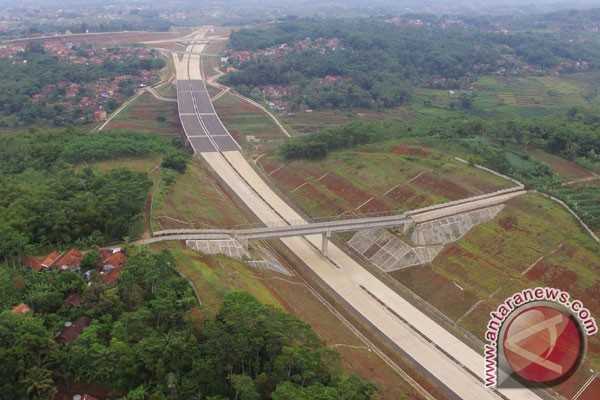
194 198
215 276
168 90
244 120
527 96
147 114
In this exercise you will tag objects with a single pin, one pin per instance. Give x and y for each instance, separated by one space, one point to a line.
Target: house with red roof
33 263
72 330
37 264
21 309
73 300
50 259
71 260
113 261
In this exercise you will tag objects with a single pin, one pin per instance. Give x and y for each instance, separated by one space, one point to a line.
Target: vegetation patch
138 340
249 125
49 197
150 115
193 199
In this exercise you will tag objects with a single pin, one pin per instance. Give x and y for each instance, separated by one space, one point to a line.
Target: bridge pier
325 242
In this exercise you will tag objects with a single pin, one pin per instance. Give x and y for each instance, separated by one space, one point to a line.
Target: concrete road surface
414 332
448 359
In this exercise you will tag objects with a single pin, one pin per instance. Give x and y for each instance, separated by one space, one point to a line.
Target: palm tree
39 383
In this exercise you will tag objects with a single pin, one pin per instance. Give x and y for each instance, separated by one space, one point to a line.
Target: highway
449 360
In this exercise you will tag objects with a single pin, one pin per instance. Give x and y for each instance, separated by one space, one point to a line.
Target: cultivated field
376 179
529 96
147 114
111 39
532 242
250 126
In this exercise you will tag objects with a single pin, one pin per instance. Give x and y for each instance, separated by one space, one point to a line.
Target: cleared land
194 200
248 125
147 114
110 38
532 242
378 178
568 170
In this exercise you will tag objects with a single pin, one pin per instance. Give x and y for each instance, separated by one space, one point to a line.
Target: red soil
405 150
268 165
326 206
288 178
441 187
572 385
536 273
437 290
344 189
402 194
508 223
592 392
373 207
553 275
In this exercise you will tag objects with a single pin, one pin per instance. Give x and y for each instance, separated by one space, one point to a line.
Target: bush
175 161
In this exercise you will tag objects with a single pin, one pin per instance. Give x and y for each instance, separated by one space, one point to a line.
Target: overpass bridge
451 364
405 220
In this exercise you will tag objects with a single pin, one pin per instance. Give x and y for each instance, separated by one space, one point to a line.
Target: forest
31 71
49 198
377 61
142 343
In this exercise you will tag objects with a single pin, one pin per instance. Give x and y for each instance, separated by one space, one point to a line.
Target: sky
394 6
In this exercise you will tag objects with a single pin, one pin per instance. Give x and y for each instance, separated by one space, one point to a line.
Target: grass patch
168 90
246 123
215 276
147 114
194 200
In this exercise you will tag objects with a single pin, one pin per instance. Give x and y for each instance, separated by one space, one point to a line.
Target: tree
175 161
91 260
26 350
12 242
244 387
39 384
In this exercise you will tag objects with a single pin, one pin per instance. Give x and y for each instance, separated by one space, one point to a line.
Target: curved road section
450 361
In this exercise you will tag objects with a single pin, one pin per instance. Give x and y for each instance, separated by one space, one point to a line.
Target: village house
70 260
113 261
73 300
100 115
72 330
21 309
